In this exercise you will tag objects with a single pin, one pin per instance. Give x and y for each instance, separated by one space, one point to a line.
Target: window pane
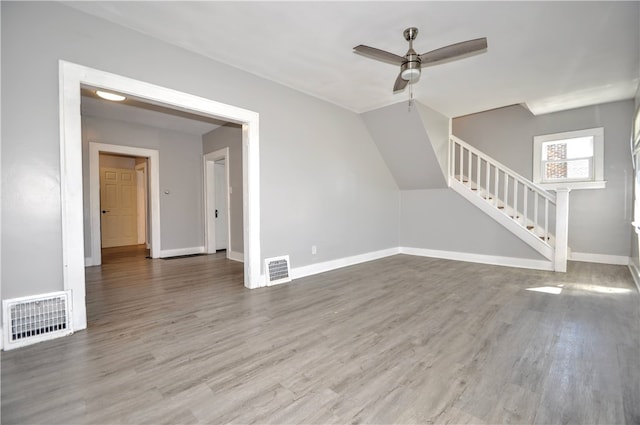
555 170
553 151
573 170
580 169
579 147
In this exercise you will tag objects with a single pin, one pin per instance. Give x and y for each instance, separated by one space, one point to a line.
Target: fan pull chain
410 95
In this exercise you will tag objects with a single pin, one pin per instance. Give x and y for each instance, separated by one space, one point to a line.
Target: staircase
535 215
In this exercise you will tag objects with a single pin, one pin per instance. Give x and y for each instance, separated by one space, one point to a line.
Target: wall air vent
277 269
28 320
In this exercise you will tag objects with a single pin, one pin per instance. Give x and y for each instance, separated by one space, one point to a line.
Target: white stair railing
534 210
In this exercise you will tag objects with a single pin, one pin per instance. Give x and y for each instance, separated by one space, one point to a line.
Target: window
572 159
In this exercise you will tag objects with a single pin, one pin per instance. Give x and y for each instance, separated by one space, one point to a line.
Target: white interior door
221 217
118 209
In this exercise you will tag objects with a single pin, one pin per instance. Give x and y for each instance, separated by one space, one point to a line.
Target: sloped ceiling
548 55
404 143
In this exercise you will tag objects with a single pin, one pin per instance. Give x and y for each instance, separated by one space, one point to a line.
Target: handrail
525 181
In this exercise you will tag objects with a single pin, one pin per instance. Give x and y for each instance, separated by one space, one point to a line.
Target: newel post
562 229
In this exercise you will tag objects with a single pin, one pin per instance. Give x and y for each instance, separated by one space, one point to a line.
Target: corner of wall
438 129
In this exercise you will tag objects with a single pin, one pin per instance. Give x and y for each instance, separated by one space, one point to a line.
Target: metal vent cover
277 269
28 320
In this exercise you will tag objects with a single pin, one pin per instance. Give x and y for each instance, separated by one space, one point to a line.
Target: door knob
105 211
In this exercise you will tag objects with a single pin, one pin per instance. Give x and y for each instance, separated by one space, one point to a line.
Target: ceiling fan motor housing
410 70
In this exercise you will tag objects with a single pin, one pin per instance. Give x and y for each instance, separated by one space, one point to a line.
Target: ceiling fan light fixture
110 96
410 74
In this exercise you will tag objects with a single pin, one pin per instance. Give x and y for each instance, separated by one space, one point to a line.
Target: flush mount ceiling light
110 96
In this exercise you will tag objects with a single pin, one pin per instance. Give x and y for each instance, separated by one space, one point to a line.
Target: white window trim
636 127
598 181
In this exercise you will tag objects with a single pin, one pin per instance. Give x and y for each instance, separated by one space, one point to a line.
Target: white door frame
71 78
142 190
210 199
153 157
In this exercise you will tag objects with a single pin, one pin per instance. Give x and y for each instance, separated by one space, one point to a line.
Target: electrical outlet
314 249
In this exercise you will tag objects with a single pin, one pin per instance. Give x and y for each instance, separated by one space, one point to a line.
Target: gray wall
599 219
322 179
230 136
440 219
181 211
414 145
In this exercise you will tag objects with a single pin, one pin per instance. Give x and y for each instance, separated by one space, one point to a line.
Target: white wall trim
588 257
153 158
524 263
1 338
88 261
235 256
71 78
142 189
326 266
166 253
635 272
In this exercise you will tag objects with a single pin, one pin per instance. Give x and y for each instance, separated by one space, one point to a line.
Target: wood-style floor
399 340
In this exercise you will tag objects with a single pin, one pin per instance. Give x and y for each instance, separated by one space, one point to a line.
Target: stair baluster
509 205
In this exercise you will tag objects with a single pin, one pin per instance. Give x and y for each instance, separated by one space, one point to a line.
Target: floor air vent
277 269
28 320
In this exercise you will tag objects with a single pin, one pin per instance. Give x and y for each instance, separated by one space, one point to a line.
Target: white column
562 229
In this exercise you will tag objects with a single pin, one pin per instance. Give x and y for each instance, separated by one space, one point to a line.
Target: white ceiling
548 55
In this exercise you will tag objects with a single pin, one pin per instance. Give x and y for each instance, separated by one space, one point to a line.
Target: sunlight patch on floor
597 288
547 289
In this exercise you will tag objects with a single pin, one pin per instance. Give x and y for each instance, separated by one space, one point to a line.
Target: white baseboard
587 257
524 263
88 261
634 268
181 251
326 266
235 256
1 339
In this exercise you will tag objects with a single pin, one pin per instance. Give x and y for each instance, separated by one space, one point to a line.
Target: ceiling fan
411 63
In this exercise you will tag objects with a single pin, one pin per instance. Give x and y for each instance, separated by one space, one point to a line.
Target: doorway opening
123 207
148 163
72 78
217 204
